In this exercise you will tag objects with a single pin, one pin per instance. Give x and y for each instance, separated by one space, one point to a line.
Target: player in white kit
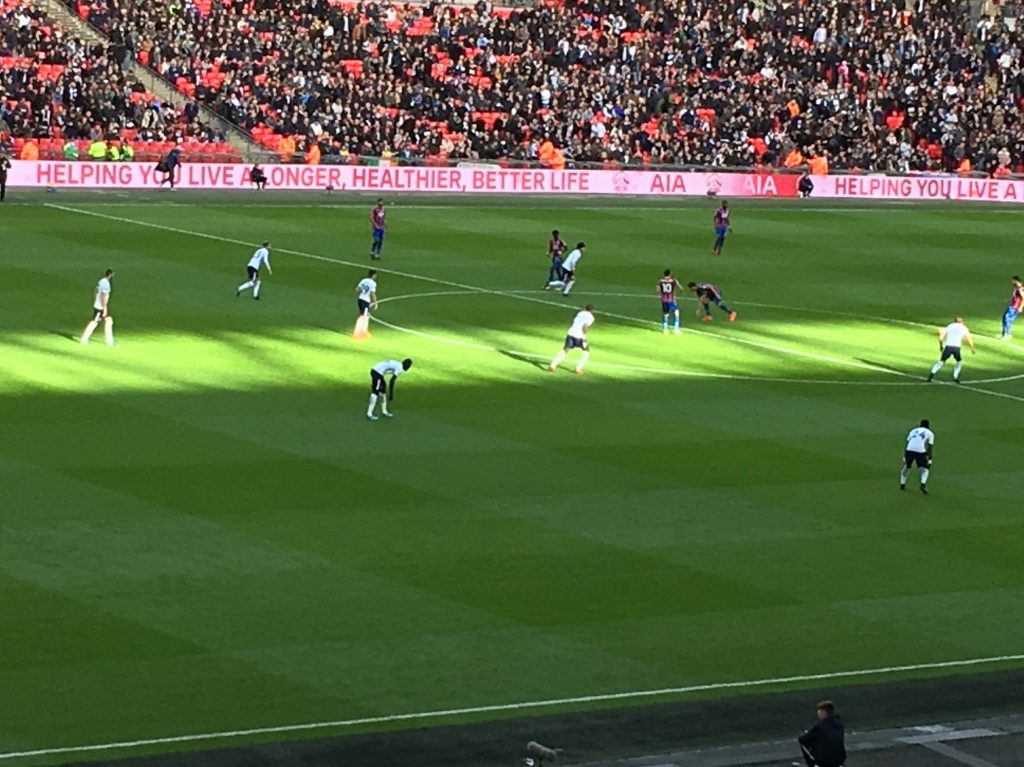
576 338
366 292
379 389
259 259
569 269
101 310
951 339
918 452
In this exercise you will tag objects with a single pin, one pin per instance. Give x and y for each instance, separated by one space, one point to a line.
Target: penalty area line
520 706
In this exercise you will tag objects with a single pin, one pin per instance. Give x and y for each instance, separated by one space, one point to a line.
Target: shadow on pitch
531 361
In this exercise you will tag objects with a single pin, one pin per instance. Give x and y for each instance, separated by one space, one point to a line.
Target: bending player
380 388
708 294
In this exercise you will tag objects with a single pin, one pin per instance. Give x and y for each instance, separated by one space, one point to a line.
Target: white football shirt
260 257
102 287
389 366
955 333
580 323
569 264
366 287
919 438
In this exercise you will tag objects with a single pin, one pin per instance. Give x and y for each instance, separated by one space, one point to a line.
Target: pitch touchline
477 289
548 703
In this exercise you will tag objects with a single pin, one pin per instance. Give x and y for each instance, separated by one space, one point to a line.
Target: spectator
70 150
258 177
5 165
823 745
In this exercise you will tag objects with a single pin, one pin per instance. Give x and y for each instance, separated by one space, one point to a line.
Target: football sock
724 308
937 367
903 474
256 289
108 330
558 359
384 404
956 369
245 286
362 325
677 321
719 242
373 404
583 360
664 322
87 333
568 287
924 476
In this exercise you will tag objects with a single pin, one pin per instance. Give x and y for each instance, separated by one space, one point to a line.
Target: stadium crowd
854 84
58 90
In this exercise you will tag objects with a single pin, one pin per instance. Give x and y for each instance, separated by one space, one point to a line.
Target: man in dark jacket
824 744
5 165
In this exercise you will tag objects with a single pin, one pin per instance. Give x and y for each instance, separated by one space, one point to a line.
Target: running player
379 388
378 223
722 228
1014 308
919 452
101 310
556 247
260 258
366 291
951 338
667 286
708 294
568 278
576 338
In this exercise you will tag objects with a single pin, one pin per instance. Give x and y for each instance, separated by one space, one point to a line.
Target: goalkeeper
381 388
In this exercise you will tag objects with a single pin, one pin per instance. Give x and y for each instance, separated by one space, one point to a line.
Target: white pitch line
478 289
548 703
505 294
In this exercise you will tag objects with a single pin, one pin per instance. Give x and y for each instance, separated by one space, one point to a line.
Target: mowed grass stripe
509 534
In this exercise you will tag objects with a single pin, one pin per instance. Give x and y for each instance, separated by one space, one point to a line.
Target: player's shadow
531 361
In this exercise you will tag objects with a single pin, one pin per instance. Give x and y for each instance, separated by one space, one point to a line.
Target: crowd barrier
494 180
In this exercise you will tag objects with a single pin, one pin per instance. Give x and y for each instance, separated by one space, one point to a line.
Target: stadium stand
849 85
57 91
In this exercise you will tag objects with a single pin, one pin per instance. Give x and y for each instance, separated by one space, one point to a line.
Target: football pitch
202 533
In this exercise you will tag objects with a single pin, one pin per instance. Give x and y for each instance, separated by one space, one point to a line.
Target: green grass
200 531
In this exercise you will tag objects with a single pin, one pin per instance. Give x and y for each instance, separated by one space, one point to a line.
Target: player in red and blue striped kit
707 294
378 223
667 290
722 228
556 249
1014 308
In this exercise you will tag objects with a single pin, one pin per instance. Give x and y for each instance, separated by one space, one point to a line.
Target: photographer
805 186
824 744
258 177
5 165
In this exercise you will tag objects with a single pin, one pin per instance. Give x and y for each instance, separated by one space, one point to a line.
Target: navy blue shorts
951 351
910 458
377 383
669 307
364 306
576 343
98 315
721 231
378 234
253 272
